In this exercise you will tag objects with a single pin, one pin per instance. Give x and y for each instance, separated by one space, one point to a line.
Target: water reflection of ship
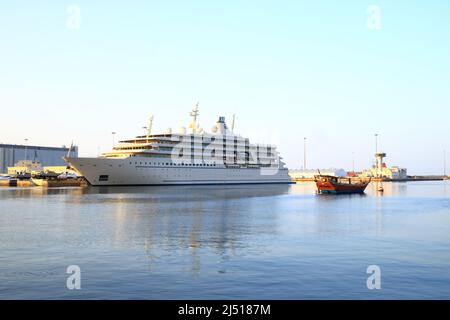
205 192
190 219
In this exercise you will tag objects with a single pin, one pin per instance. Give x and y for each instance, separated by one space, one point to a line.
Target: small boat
55 183
52 179
23 176
46 175
337 185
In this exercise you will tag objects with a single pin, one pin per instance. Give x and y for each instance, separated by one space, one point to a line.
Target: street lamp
353 162
113 135
376 142
26 146
445 164
304 153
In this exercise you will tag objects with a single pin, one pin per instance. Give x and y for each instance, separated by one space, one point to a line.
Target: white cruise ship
185 158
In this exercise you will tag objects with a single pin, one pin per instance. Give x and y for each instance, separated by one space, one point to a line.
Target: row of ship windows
269 151
176 164
169 156
189 139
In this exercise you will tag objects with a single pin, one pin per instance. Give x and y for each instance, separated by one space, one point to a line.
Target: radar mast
194 114
150 124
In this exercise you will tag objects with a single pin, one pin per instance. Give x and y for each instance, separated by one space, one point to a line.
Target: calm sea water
235 242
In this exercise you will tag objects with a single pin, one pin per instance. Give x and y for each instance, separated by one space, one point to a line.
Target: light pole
376 142
304 153
26 146
353 162
445 164
113 135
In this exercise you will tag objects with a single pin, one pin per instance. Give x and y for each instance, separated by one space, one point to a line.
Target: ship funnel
221 126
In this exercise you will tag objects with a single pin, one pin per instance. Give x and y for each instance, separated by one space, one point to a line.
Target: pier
46 183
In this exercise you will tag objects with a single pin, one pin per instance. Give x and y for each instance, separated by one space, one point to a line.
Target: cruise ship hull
152 171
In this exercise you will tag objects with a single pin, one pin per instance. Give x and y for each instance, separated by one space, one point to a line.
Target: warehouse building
11 154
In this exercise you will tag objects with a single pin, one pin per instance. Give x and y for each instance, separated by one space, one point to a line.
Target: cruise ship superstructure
185 158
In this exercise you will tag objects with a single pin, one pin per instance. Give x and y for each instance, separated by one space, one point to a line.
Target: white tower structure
379 156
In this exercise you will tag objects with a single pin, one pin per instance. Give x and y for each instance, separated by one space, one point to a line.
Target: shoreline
410 178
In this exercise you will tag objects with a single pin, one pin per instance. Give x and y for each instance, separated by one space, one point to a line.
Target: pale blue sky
288 69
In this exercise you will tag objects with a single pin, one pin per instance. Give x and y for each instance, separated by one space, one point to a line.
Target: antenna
233 122
150 125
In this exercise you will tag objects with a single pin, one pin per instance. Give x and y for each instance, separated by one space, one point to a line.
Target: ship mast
150 124
232 123
194 114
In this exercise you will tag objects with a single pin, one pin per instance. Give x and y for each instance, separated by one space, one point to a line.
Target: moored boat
53 179
337 185
197 157
55 183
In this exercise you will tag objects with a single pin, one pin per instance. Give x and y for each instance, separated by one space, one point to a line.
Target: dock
375 179
16 183
53 183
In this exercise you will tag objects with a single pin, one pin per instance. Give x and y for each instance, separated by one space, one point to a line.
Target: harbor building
32 156
382 171
29 166
308 174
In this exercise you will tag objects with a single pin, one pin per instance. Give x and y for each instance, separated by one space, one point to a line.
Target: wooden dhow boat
336 185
